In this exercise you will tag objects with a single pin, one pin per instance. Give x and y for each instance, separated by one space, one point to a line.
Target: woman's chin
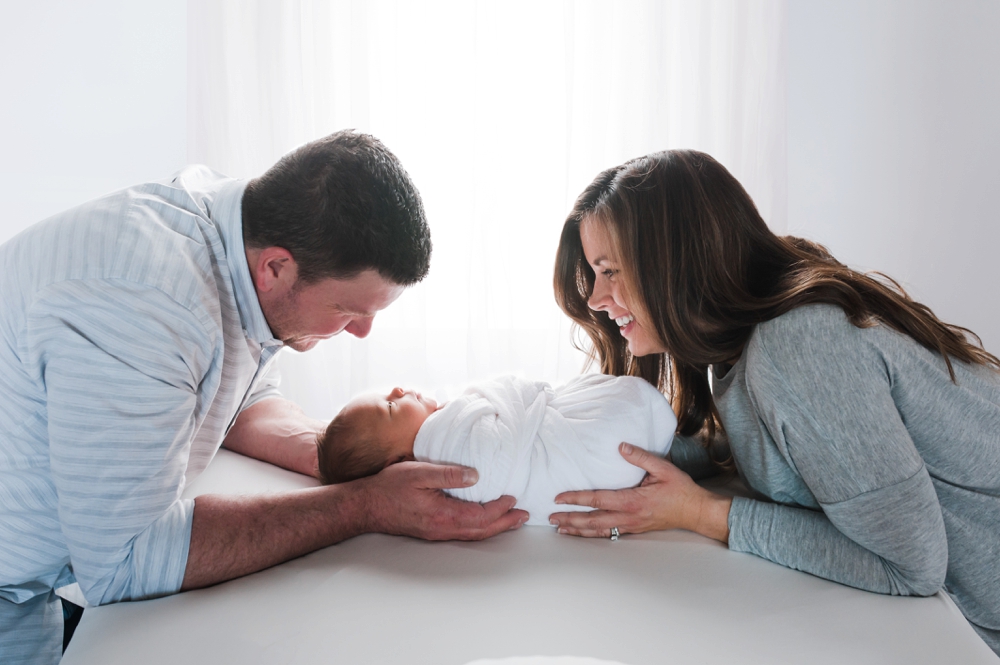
636 349
640 348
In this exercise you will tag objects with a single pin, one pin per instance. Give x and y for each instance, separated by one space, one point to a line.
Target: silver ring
614 533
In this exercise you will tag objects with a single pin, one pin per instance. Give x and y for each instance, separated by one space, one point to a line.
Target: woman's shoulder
806 320
802 327
807 339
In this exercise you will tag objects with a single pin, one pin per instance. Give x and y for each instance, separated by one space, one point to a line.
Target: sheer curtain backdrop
502 112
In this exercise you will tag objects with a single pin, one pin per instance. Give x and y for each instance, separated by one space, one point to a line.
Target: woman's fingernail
554 522
627 448
561 530
470 476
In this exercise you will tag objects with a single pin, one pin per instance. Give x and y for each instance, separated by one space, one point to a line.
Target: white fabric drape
502 112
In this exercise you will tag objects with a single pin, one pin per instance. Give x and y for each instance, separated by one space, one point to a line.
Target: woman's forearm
880 541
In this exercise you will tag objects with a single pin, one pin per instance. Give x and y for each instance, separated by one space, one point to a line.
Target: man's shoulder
154 242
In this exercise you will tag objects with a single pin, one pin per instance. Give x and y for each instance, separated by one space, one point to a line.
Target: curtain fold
502 112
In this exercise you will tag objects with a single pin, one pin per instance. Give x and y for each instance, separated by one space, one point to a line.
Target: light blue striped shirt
130 338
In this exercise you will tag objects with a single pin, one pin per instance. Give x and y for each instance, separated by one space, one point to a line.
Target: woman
870 428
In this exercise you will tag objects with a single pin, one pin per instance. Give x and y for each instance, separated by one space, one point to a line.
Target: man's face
308 313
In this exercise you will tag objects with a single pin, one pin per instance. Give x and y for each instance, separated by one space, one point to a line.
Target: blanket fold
532 442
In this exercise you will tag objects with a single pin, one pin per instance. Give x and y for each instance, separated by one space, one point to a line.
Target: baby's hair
347 451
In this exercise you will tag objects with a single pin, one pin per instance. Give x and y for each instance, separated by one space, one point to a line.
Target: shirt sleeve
122 366
267 387
824 391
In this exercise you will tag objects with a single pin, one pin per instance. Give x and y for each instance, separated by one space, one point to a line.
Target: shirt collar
228 216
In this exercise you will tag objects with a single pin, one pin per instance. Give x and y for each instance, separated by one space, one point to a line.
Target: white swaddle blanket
532 442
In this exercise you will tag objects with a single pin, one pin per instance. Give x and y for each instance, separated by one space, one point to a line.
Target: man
138 332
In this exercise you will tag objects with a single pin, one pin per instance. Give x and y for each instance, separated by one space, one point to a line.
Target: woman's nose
599 297
397 392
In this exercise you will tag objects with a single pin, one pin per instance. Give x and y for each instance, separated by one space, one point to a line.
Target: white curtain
502 112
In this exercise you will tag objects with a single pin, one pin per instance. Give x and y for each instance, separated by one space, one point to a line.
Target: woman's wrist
711 517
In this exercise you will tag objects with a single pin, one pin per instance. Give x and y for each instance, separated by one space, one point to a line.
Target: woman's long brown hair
700 265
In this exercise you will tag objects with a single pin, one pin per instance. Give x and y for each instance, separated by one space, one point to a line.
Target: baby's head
370 433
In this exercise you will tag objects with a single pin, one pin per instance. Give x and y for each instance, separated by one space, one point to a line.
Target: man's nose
360 327
396 393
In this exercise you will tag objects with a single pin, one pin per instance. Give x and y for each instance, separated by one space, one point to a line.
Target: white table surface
671 597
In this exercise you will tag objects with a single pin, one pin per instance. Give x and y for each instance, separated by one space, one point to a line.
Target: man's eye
391 405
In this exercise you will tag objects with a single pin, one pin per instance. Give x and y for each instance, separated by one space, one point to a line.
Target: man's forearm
277 431
232 536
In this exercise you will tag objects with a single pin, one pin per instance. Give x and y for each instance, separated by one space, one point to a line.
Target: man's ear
273 270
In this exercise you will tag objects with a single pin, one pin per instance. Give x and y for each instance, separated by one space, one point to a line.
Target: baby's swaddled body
532 442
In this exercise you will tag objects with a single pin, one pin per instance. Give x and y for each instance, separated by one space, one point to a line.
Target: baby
525 439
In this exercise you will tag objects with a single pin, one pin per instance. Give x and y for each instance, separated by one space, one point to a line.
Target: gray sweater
877 470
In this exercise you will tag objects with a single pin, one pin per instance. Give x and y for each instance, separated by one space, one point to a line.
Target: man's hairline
339 275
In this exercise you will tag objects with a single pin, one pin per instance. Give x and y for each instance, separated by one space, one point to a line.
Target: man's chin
302 344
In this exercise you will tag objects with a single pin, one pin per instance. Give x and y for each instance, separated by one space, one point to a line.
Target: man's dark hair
340 205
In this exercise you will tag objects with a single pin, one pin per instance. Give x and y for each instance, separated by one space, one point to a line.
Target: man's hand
232 536
407 499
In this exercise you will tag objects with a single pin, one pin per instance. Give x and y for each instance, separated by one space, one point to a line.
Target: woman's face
607 295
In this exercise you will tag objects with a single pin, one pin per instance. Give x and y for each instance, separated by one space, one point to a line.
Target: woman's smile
626 324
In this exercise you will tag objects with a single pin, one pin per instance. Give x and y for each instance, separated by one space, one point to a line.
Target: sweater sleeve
694 459
121 396
824 392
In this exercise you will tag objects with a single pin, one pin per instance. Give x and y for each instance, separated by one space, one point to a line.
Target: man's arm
277 431
232 536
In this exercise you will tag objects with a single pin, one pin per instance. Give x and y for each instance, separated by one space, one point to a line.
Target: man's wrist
361 506
345 511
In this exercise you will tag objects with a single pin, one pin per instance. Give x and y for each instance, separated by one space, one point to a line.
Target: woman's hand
667 498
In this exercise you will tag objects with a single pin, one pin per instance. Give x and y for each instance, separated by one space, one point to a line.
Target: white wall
894 145
894 142
94 99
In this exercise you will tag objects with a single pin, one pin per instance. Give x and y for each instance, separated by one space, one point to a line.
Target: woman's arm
826 400
666 499
824 390
888 541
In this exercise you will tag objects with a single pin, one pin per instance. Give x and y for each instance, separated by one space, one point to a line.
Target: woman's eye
609 273
391 405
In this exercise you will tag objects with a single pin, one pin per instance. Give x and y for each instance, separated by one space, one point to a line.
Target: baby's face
395 419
